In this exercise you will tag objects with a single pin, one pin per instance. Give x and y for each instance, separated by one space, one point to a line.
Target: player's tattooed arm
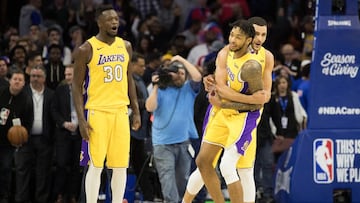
251 73
240 106
215 100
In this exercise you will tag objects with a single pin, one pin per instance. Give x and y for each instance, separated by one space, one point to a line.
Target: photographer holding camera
172 103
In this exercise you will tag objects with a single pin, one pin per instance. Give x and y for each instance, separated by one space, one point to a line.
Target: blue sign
325 159
318 163
335 75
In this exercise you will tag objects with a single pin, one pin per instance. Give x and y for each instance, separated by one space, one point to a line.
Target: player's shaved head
251 72
254 64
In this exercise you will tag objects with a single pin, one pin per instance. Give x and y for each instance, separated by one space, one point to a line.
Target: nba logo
323 160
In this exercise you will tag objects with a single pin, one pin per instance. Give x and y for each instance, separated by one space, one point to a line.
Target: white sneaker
102 197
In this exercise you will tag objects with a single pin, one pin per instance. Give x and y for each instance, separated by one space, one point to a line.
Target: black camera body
165 78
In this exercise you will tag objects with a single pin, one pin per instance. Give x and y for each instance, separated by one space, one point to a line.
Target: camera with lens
165 78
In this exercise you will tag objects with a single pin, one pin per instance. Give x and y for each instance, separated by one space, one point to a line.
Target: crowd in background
46 33
163 26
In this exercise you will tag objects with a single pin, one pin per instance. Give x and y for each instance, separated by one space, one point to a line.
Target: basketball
17 135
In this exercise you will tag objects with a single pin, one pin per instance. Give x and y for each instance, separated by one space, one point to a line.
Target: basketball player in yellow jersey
102 74
231 84
245 164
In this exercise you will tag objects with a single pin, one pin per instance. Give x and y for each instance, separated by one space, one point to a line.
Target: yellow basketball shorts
245 161
248 159
110 137
216 131
228 127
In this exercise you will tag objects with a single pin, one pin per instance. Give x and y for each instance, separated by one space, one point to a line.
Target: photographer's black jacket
20 106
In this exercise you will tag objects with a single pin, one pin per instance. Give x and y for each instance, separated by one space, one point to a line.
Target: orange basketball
17 135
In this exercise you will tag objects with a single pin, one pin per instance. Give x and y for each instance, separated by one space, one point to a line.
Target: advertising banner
320 163
335 75
323 164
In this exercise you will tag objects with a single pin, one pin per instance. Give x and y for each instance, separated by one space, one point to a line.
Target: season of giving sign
335 91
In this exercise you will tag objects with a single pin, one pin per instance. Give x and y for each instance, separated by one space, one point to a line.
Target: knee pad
247 183
228 165
195 182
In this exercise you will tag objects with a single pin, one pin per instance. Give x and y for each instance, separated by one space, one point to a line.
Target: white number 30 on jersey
113 73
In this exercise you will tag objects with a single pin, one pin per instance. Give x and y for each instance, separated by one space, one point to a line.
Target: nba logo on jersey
323 160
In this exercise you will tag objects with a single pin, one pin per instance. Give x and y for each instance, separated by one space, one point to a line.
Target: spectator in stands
55 37
58 12
169 12
26 43
4 71
177 46
161 35
34 59
139 158
35 157
77 37
67 142
146 7
54 68
18 58
36 37
14 103
303 89
264 161
210 33
191 33
10 41
291 64
145 45
288 115
152 63
30 14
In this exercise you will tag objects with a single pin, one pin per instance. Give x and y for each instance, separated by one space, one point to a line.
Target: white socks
118 184
92 183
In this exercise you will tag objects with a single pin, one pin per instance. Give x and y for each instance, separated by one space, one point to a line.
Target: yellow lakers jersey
260 56
233 68
106 83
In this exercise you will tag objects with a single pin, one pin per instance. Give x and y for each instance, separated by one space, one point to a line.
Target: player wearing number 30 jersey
106 84
102 90
106 100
